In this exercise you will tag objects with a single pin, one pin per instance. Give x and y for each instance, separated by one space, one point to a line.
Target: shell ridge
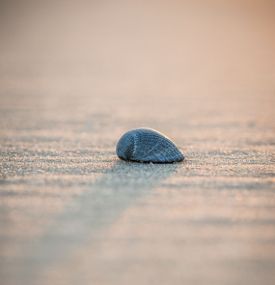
152 149
135 144
148 145
167 148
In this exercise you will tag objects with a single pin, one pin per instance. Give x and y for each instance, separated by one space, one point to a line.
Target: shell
147 145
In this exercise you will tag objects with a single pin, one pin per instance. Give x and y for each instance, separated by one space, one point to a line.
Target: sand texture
74 79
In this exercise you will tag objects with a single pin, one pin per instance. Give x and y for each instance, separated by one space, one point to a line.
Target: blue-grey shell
147 145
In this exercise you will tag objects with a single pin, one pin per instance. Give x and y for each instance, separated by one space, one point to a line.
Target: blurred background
148 51
75 75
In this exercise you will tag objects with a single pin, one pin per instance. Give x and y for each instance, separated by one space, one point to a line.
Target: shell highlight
147 145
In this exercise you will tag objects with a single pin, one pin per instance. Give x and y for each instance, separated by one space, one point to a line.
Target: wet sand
73 80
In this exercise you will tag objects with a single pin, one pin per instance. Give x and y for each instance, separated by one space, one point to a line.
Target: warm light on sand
74 76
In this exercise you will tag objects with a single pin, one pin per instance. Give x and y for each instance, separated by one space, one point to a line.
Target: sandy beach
74 77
